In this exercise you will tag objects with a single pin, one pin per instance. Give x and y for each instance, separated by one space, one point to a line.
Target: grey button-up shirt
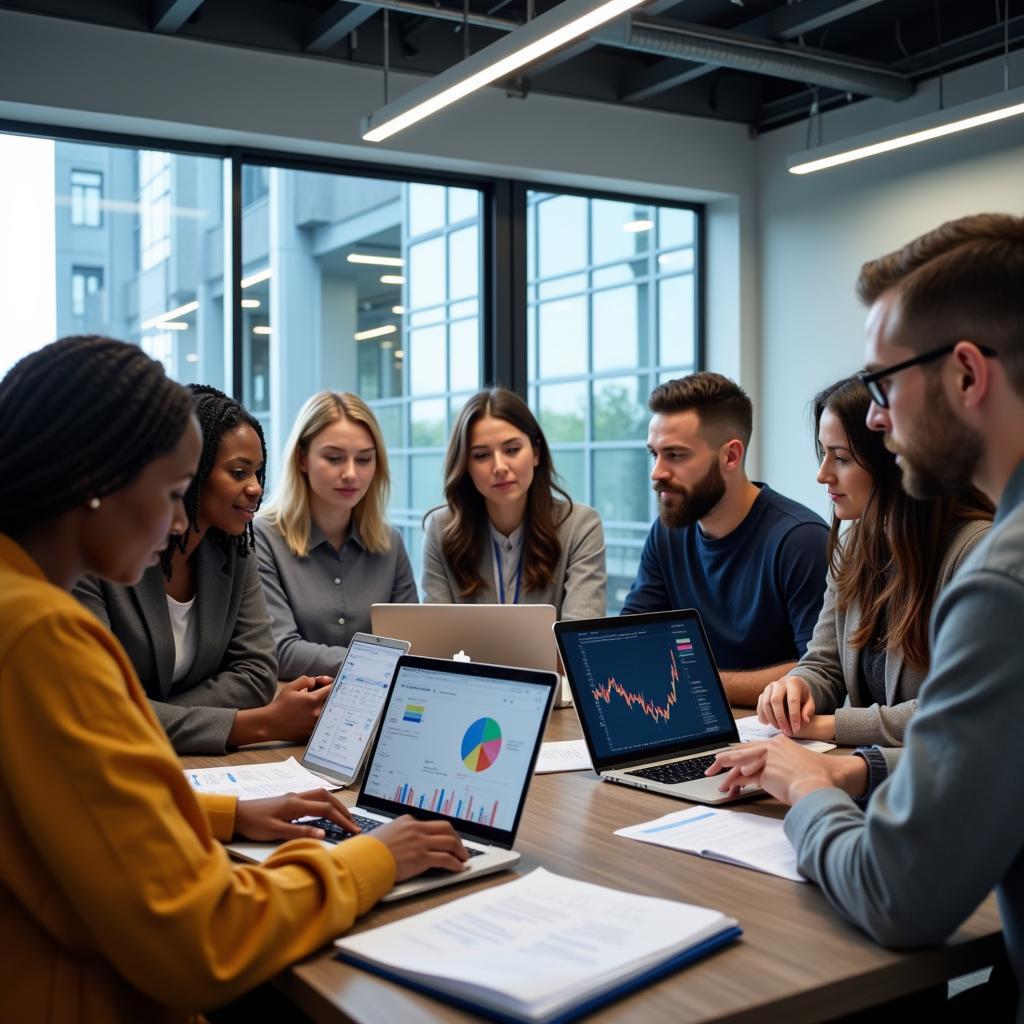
318 602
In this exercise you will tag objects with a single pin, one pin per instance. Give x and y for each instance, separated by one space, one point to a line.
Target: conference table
796 960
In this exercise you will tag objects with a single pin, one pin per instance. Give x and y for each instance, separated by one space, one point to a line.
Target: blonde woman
325 551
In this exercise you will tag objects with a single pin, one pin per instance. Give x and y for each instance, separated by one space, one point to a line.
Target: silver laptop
499 634
650 701
457 742
343 732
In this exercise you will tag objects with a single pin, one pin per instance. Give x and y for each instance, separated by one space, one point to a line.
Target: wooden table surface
797 960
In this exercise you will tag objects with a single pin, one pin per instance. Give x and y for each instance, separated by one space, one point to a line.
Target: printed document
536 946
753 731
564 756
255 781
746 840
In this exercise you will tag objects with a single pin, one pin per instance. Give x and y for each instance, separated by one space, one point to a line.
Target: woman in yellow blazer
117 902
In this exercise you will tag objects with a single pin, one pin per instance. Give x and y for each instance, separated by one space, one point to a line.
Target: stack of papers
753 731
255 781
746 840
541 948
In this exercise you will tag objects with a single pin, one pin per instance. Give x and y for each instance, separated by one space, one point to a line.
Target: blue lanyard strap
501 576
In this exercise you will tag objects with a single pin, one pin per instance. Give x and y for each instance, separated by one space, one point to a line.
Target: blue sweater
759 589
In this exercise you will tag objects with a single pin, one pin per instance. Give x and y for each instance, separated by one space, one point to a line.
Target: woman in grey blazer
857 683
503 535
196 626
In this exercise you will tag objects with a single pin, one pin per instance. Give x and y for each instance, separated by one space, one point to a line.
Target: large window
371 286
86 293
86 199
612 312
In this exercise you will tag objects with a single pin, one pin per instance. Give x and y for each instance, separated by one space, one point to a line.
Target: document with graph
542 948
746 840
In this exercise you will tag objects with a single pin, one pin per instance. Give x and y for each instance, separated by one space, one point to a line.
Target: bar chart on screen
455 802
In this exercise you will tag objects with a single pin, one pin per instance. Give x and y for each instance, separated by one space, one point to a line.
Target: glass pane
676 227
427 425
563 412
426 209
562 339
531 343
463 263
620 322
461 309
620 409
676 321
462 203
426 282
680 259
427 485
562 235
618 494
620 273
399 481
570 466
426 360
464 354
571 285
426 316
390 419
620 230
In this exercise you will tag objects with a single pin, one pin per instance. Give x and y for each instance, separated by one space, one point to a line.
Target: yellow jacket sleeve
220 813
108 825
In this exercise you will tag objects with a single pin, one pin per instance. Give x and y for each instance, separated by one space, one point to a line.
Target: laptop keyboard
676 771
334 833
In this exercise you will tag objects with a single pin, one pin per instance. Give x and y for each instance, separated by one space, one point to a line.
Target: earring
94 503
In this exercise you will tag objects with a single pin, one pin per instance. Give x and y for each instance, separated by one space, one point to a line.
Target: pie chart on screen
481 744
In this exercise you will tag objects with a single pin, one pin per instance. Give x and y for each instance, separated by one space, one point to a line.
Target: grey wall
816 230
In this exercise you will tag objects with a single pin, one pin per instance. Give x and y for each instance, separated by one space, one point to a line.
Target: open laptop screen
460 741
646 685
345 726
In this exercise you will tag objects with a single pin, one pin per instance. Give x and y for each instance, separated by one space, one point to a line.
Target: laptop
457 742
338 744
650 701
499 634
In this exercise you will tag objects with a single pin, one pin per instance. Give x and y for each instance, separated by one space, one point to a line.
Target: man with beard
945 348
751 561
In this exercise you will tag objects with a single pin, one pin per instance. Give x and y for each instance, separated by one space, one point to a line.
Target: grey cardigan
316 603
580 583
831 666
234 665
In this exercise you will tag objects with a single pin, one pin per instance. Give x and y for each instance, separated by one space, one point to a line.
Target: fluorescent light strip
260 275
171 325
375 261
171 314
398 310
503 67
376 332
261 330
634 227
250 303
392 279
910 139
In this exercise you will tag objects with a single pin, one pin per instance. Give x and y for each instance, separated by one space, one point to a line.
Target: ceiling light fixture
398 310
261 330
171 325
171 314
260 275
922 129
538 37
375 332
375 261
634 227
250 303
392 279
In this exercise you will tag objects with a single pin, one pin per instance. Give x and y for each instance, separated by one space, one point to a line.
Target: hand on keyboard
274 817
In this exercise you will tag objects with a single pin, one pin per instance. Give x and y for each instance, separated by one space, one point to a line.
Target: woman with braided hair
196 626
117 902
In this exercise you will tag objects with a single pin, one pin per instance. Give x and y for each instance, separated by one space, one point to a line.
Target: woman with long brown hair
508 533
870 645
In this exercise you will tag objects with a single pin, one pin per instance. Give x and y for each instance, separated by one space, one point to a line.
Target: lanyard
501 575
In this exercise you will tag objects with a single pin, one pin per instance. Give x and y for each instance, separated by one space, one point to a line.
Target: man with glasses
943 822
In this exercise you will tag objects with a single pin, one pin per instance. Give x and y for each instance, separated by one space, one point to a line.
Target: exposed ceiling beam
758 56
786 22
335 23
169 15
454 14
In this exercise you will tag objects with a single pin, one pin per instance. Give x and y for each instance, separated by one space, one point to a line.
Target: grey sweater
946 826
831 667
580 585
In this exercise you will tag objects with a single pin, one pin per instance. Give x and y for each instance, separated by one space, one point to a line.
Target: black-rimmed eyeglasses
873 381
